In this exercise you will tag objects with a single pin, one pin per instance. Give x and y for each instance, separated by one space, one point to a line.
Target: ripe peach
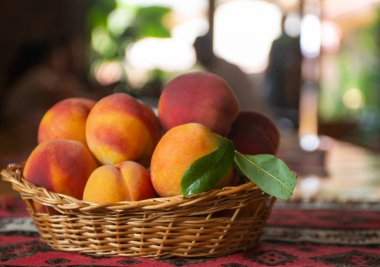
198 97
66 120
127 180
176 151
120 128
61 166
254 133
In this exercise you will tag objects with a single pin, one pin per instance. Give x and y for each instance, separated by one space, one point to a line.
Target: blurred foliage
149 22
116 24
359 67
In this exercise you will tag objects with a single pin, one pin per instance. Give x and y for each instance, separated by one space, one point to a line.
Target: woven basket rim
13 174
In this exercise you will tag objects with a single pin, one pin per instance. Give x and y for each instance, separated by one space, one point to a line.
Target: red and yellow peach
198 97
176 151
120 128
61 166
66 120
125 181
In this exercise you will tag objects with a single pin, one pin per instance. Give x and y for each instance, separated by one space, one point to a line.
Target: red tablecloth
295 235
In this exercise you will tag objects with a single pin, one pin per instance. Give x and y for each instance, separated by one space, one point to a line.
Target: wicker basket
210 224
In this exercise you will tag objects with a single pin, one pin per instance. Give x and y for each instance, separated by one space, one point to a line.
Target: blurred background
311 65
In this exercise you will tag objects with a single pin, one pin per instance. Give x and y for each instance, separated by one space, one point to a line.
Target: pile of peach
117 149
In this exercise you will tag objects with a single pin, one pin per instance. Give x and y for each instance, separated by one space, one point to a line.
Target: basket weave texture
210 224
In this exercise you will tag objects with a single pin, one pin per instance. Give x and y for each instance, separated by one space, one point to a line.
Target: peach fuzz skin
66 120
126 181
198 97
255 133
176 151
120 128
61 166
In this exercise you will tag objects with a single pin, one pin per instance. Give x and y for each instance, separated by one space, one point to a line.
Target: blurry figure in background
282 81
249 98
41 75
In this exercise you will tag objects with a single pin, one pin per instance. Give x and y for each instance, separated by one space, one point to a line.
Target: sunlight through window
167 54
310 36
244 32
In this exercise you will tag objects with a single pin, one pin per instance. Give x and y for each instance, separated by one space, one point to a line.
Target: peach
66 120
61 166
120 128
127 180
198 97
254 133
176 151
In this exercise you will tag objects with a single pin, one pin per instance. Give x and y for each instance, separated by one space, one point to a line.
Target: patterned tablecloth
297 234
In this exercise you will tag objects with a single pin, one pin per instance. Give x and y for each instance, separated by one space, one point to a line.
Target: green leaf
204 173
268 172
